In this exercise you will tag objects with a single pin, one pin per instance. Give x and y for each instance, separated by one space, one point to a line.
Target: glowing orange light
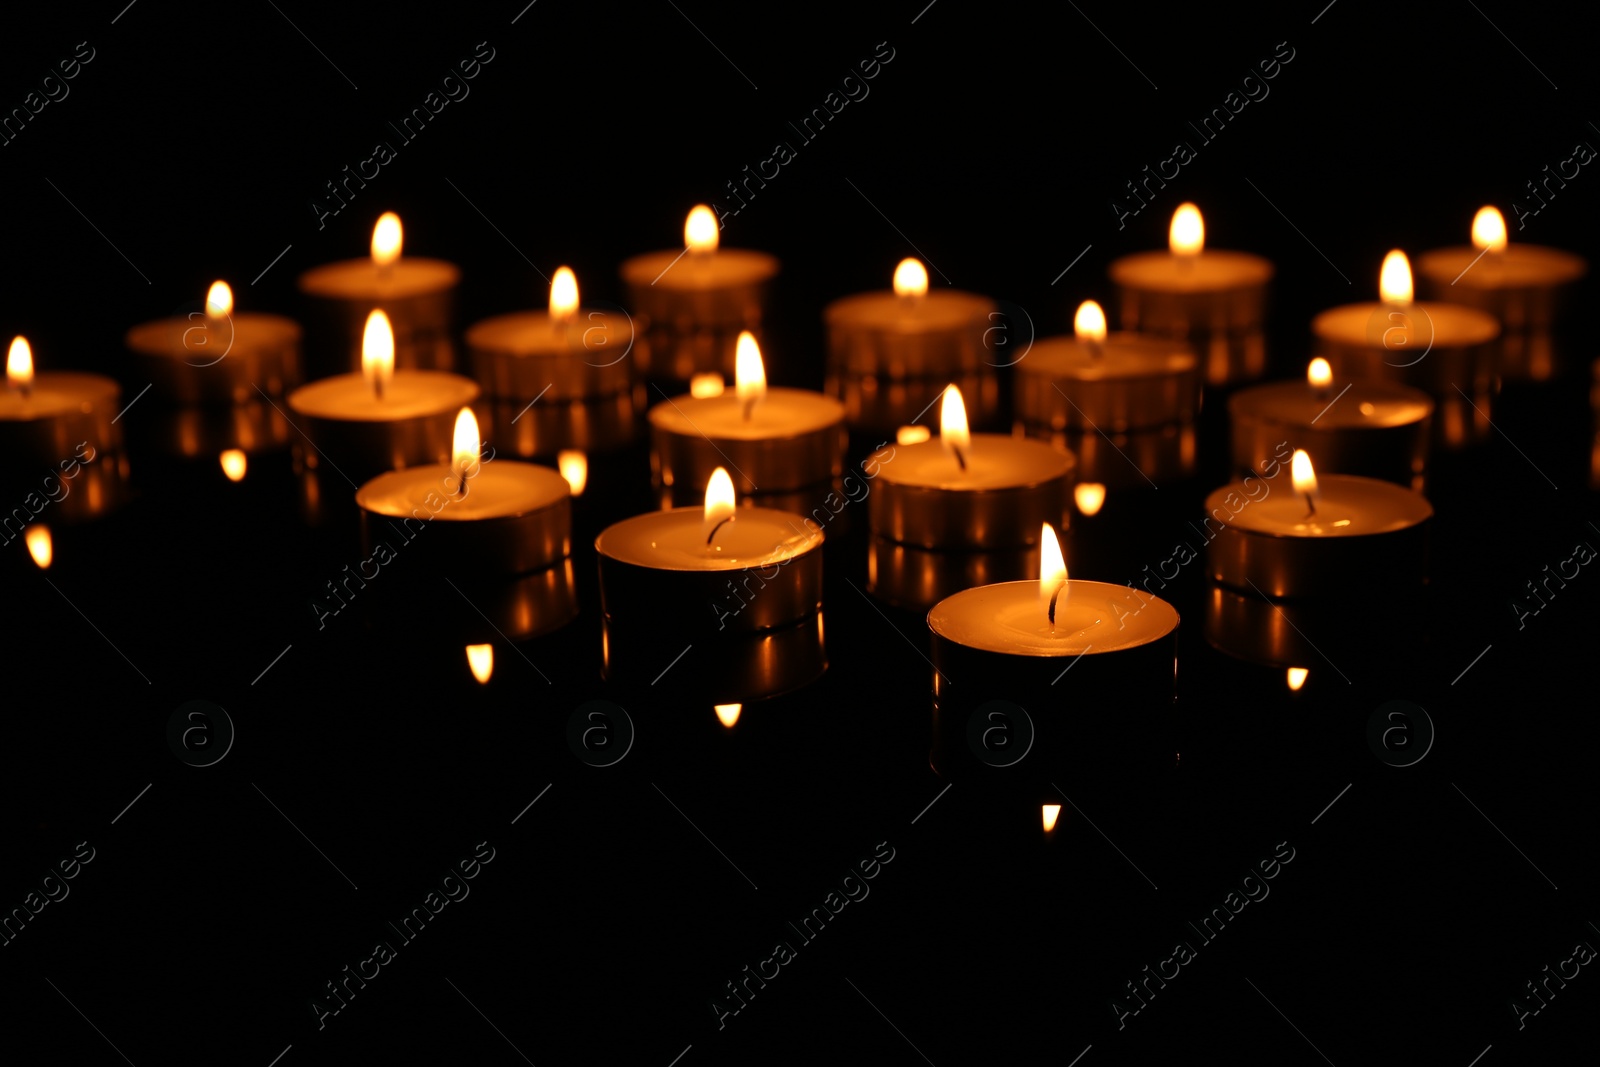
40 547
1089 322
480 658
719 502
1050 813
234 464
574 467
707 385
1305 479
728 714
912 435
1319 373
1187 235
1089 496
1297 678
910 278
1394 279
465 446
749 375
953 433
1489 229
387 239
700 229
19 364
219 301
377 351
1052 573
563 295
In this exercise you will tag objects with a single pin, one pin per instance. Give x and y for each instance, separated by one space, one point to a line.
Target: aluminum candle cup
417 294
689 306
591 424
881 405
364 436
528 355
1133 382
1364 534
1097 677
1375 429
1213 301
792 439
1310 633
514 518
1009 489
762 570
61 410
938 334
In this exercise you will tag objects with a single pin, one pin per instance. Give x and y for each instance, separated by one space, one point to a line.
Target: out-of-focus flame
377 351
1394 279
563 295
912 435
719 501
1489 229
219 301
1305 479
1296 678
1089 496
700 229
707 385
40 546
1319 373
465 447
19 363
749 375
234 464
1089 323
387 238
953 433
1050 813
1187 235
910 278
574 467
480 658
728 714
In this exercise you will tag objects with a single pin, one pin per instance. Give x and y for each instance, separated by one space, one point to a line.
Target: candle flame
749 375
700 229
912 435
1187 235
1052 570
1089 324
219 301
719 502
1489 229
377 351
387 238
574 467
19 364
234 464
1297 678
910 278
563 295
1305 479
707 385
728 714
1319 373
1050 813
1394 279
40 546
465 446
480 658
1089 496
953 433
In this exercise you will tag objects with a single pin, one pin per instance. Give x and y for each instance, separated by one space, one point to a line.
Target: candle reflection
40 546
1050 813
1296 678
234 464
480 659
728 714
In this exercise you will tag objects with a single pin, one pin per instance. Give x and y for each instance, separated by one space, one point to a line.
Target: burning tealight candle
695 566
380 419
417 295
890 353
1372 428
1106 382
567 353
1447 349
1212 300
220 355
496 518
57 424
1522 285
968 491
775 440
691 303
1331 534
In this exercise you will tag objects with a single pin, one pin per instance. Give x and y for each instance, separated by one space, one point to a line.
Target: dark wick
961 460
1311 507
1053 598
717 527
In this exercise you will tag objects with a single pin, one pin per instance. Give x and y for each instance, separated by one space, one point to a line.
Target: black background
190 148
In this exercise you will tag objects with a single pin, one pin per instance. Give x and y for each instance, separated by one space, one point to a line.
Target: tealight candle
1372 428
1111 382
1103 651
1333 533
694 567
968 491
1522 285
220 356
380 419
912 335
46 418
774 440
567 353
1213 300
1446 349
497 518
691 304
417 294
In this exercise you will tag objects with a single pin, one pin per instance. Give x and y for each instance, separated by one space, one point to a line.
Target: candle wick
1095 350
961 460
749 406
1311 507
1053 597
717 527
